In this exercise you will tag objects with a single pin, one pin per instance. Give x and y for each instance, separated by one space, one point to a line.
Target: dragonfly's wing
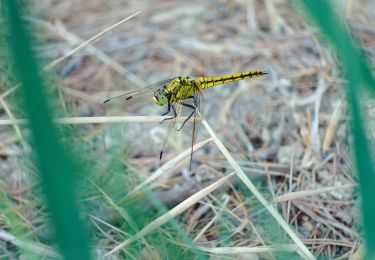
171 132
192 108
186 108
199 111
125 100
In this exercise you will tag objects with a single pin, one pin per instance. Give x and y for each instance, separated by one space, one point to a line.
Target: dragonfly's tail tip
161 155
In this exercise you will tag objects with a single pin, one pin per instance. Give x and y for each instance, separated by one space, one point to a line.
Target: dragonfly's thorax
180 88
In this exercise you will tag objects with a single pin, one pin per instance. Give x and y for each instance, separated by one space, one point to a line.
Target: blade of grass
303 250
357 72
37 248
56 169
168 216
168 166
250 250
92 39
52 64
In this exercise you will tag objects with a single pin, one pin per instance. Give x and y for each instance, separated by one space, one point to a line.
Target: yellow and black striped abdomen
210 82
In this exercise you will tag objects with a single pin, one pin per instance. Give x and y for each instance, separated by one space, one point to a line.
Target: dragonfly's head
160 97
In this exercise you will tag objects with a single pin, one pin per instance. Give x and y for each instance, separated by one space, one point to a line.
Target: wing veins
130 97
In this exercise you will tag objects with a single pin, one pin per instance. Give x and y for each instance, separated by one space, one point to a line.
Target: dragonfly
177 94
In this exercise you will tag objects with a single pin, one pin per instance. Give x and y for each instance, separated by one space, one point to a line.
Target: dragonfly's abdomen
183 87
210 82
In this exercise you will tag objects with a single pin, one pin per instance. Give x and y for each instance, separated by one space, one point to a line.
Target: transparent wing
129 98
191 109
173 127
170 134
199 111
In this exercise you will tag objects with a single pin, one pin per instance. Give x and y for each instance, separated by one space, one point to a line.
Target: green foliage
12 219
56 168
357 72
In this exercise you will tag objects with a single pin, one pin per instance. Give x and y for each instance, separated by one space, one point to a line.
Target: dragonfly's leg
190 97
194 98
174 111
192 113
169 109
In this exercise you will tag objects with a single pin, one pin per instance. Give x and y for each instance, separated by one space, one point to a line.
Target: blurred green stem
358 74
56 169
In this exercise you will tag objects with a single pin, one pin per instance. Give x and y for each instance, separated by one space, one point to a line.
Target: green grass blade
56 169
357 72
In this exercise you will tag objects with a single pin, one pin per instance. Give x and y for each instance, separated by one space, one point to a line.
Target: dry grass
287 131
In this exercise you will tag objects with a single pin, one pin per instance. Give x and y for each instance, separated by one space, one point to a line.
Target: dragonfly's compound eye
160 97
156 99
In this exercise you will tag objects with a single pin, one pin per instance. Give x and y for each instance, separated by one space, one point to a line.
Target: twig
92 39
100 55
96 120
315 140
15 126
332 126
301 194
